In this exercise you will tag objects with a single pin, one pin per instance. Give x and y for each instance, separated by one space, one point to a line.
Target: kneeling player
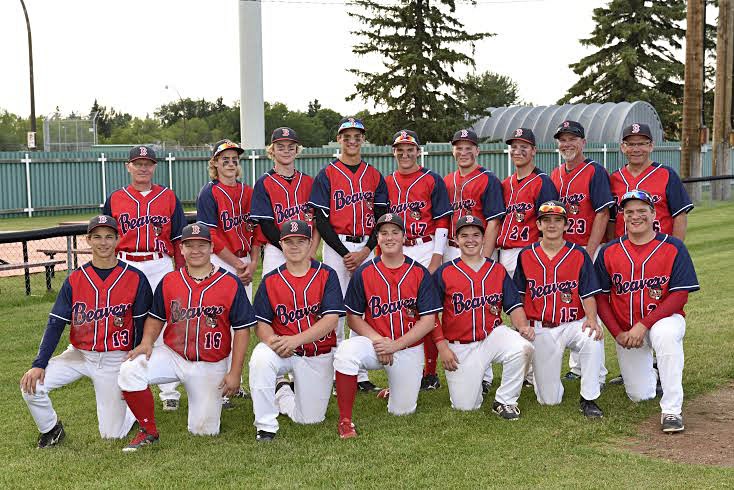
201 305
646 277
106 302
297 307
474 290
558 282
392 303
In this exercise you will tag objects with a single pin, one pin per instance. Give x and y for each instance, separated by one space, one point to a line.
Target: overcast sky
125 52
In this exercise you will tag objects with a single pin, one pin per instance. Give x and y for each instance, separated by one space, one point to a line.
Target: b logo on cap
470 219
403 134
635 128
143 151
518 132
464 133
286 132
565 124
103 219
294 227
195 229
388 217
351 120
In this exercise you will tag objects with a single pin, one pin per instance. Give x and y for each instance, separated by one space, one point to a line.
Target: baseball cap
522 134
637 129
406 136
138 152
349 123
465 135
222 145
392 218
295 227
196 231
469 220
552 208
102 220
638 194
284 134
570 127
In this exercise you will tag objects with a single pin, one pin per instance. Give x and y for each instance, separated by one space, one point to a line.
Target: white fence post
605 155
102 159
509 162
424 153
170 158
27 162
253 157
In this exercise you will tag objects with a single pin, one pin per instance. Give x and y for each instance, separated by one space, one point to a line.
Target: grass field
437 447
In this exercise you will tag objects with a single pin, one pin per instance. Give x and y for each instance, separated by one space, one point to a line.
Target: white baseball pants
272 258
421 253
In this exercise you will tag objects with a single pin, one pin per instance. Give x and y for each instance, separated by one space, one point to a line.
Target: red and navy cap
295 227
522 134
469 220
102 220
196 231
138 152
570 127
406 136
466 134
222 145
637 194
552 208
351 123
391 218
284 134
637 129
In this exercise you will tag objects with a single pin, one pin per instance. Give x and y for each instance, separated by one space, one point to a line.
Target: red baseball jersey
522 200
420 198
392 300
349 195
666 189
225 209
146 223
102 311
279 199
291 304
479 194
201 316
639 277
585 191
473 300
552 289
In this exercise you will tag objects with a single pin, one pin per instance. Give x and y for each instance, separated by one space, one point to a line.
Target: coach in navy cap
571 127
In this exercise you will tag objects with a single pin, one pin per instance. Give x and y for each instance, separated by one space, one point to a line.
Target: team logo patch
195 229
103 219
655 293
286 132
308 216
519 217
470 219
415 214
573 209
388 217
143 151
518 132
118 321
566 297
411 312
635 128
249 226
464 133
158 230
211 321
494 309
294 226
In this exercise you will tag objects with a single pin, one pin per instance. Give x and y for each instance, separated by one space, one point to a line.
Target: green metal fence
69 182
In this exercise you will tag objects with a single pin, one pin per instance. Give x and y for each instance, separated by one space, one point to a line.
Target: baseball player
418 195
208 314
106 302
474 289
646 277
583 187
297 307
149 219
391 303
349 195
473 191
282 195
558 284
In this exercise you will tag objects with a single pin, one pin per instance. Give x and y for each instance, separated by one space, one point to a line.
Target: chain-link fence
75 134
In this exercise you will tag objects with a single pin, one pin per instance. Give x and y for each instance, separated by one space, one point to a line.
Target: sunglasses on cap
552 209
226 146
351 123
639 195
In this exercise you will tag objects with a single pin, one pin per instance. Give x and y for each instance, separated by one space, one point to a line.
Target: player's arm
287 344
512 303
598 230
141 307
315 243
231 382
680 225
250 268
611 226
590 321
440 238
386 346
270 231
178 221
327 232
490 237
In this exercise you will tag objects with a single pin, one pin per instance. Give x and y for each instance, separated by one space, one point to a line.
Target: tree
419 86
489 89
108 120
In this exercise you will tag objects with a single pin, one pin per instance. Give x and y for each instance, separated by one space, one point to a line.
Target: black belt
452 243
354 239
301 353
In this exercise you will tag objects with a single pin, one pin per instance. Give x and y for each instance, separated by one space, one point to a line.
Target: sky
124 53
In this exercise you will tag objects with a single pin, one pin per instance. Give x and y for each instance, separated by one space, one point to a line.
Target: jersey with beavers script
225 209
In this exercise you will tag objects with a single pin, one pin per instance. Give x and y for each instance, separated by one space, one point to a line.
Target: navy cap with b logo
570 127
637 129
295 227
469 220
465 135
284 134
138 152
222 145
405 136
390 218
102 220
196 231
522 134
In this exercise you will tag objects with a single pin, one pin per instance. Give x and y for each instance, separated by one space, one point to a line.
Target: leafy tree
108 120
13 131
489 89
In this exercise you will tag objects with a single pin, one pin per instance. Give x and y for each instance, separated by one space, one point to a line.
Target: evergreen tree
418 89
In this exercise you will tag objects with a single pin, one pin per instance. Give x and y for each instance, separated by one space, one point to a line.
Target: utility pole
252 105
694 134
721 189
32 134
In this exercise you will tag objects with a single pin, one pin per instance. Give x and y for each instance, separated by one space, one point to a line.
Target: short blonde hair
270 150
214 173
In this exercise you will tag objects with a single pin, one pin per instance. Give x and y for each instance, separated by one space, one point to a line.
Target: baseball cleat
430 382
671 423
241 393
283 384
571 376
590 409
617 381
507 412
527 384
264 436
227 403
384 393
140 440
367 386
486 386
346 429
658 389
170 405
52 437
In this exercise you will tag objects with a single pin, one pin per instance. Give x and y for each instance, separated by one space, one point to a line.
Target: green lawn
436 447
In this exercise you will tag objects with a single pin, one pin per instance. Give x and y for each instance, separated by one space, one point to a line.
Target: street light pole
183 112
30 63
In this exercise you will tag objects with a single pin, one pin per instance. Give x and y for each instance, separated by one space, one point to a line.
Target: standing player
282 195
106 302
583 187
149 219
202 304
557 281
646 277
392 303
349 195
419 197
474 289
297 307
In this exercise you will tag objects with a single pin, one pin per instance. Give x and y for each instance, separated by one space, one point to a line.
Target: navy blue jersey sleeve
428 300
600 189
439 282
493 204
440 205
678 199
354 300
206 207
381 197
241 314
683 276
107 208
548 191
588 282
602 275
51 337
62 306
321 192
510 294
263 309
332 301
262 206
519 277
178 221
158 307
